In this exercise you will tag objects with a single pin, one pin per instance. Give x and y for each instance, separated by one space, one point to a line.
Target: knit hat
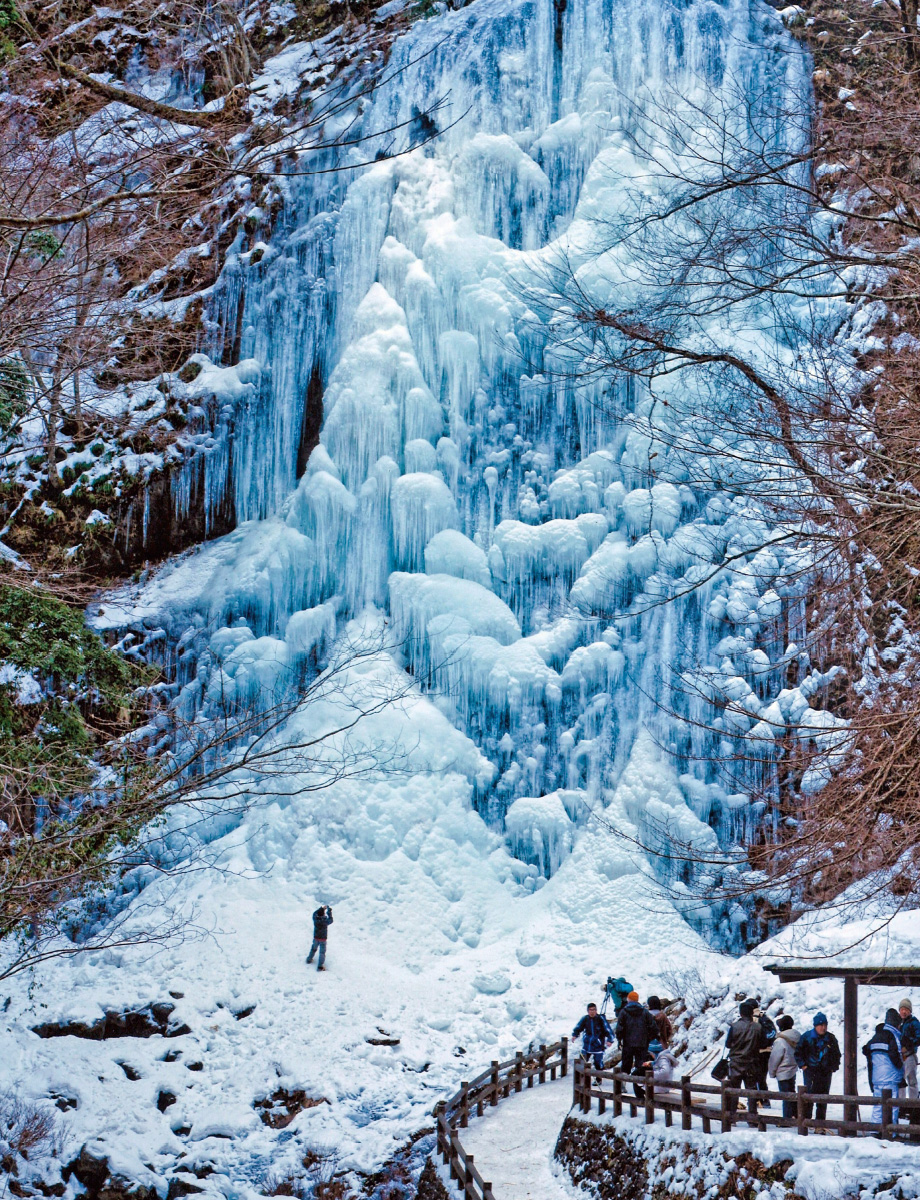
893 1018
905 1003
819 1019
785 1022
633 996
747 1008
654 1002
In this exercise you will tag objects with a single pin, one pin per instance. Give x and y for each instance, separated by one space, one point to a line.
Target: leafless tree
60 881
764 316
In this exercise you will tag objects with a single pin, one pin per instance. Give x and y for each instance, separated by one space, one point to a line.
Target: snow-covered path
513 1143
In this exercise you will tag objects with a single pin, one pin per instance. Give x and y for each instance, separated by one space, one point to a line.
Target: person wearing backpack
322 919
636 1030
782 1065
910 1040
665 1029
818 1054
884 1062
595 1033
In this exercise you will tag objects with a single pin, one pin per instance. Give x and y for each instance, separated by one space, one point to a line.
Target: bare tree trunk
909 19
54 417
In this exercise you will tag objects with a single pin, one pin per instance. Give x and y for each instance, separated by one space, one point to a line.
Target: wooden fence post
494 1083
443 1145
602 1099
800 1118
542 1062
518 1070
649 1098
886 1110
686 1117
726 1110
576 1091
565 1056
617 1096
469 1189
464 1105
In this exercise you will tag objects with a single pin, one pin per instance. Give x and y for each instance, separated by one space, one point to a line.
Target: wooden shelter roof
888 976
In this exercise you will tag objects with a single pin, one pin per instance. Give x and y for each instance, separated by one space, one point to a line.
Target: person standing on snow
636 1030
818 1054
665 1030
782 1065
883 1058
769 1037
910 1040
744 1043
322 919
595 1032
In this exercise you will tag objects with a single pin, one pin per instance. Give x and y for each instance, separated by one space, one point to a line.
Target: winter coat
818 1052
744 1041
883 1057
910 1035
663 1068
636 1026
665 1029
782 1063
595 1031
321 923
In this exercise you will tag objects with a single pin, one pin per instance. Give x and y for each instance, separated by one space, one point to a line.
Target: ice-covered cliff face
504 508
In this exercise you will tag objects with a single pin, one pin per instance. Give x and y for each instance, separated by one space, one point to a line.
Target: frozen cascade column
471 474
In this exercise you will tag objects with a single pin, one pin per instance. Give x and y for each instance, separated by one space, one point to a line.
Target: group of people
756 1049
643 1032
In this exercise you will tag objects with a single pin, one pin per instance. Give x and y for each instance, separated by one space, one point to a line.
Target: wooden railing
680 1098
501 1080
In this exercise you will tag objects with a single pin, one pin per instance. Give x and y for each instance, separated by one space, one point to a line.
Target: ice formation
518 517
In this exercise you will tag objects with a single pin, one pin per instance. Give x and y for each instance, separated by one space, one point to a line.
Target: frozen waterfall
502 511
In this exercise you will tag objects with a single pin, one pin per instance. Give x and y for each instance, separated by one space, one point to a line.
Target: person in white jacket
663 1064
782 1065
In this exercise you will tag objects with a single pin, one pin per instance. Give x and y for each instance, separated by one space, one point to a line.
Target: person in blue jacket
818 1054
883 1058
595 1032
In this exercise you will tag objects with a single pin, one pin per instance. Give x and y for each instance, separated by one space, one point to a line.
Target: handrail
489 1088
676 1096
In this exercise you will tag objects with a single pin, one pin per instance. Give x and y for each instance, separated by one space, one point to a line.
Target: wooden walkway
501 1080
702 1106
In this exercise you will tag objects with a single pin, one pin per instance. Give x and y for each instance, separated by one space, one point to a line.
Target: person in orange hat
636 1029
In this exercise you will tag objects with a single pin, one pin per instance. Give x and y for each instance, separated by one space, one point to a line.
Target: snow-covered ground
435 942
501 523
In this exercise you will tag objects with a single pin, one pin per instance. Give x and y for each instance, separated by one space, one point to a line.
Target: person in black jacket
769 1037
595 1033
818 1054
322 919
744 1043
636 1029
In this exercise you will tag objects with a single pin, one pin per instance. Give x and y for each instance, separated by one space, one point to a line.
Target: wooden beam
877 976
850 1021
